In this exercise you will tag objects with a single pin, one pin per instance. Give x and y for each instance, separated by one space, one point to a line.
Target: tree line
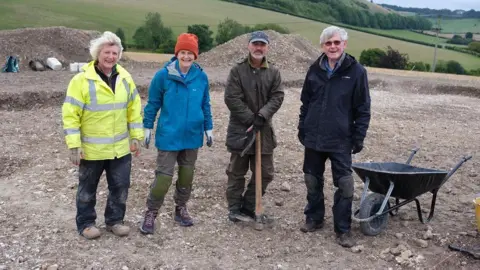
393 59
153 35
436 12
332 11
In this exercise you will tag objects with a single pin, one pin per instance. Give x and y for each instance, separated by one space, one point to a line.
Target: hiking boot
236 216
311 226
345 240
265 219
148 223
182 216
119 229
91 232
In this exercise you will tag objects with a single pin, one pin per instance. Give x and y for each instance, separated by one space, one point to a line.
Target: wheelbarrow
401 181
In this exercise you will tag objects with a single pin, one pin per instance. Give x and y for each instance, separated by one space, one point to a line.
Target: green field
458 25
97 15
408 34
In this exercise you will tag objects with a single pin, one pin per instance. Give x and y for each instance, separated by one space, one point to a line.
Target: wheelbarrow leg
432 208
394 211
434 192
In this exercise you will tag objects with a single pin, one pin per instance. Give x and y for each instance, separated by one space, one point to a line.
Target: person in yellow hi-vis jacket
103 125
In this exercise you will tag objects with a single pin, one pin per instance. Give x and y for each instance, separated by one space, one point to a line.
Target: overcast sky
434 4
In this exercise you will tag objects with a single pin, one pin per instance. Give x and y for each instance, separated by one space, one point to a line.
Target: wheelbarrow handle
459 164
414 151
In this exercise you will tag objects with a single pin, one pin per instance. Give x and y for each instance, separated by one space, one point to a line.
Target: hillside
351 12
428 12
92 15
367 5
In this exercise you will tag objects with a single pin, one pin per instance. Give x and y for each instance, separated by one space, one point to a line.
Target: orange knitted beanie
187 41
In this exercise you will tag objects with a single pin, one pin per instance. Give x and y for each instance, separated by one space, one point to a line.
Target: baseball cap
259 36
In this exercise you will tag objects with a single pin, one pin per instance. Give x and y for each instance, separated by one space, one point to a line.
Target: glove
147 137
135 147
357 147
301 135
209 135
76 154
258 122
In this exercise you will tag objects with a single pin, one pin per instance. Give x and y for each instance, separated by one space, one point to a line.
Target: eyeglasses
329 43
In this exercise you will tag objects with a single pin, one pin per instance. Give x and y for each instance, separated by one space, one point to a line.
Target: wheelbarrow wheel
370 207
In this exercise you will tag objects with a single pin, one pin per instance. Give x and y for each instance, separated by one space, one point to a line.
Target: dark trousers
118 179
236 170
314 168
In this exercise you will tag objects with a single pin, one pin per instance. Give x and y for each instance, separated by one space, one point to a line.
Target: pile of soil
66 44
286 51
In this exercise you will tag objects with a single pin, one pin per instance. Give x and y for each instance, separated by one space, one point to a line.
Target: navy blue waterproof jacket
184 104
335 111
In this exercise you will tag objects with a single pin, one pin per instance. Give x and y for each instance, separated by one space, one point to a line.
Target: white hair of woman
331 31
107 38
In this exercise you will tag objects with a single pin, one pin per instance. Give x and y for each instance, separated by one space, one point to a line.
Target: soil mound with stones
66 44
286 51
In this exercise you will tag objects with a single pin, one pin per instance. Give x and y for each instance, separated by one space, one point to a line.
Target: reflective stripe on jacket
99 120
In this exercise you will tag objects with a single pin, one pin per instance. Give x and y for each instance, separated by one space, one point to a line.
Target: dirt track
38 185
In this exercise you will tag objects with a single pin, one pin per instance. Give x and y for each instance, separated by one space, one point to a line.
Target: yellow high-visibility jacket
98 120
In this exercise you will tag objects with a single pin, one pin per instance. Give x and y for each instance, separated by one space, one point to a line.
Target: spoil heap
65 44
287 51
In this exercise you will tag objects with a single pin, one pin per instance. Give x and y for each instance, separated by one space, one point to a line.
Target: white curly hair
331 31
109 38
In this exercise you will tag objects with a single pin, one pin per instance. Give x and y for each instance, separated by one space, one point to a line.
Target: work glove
135 147
357 147
147 137
301 135
209 135
76 154
258 122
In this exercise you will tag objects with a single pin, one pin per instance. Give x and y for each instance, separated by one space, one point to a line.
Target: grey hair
331 31
109 38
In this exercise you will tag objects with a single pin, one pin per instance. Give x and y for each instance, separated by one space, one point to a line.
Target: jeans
118 179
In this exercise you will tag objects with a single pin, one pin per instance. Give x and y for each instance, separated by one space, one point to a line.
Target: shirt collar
264 62
324 61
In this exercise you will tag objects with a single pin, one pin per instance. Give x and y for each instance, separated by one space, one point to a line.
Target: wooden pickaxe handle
258 181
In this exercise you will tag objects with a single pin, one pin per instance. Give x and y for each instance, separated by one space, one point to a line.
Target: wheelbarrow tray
410 181
401 181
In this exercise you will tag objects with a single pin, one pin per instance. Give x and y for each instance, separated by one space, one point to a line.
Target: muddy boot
345 240
148 223
91 232
265 219
311 226
236 216
182 216
119 229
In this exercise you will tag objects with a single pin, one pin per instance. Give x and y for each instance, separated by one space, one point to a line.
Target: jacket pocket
236 140
274 138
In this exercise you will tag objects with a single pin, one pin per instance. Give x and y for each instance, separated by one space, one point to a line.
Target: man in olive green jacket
253 95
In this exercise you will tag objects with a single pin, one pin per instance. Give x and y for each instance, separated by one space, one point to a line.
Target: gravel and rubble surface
38 187
286 51
66 44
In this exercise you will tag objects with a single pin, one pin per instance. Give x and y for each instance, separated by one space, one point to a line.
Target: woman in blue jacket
180 90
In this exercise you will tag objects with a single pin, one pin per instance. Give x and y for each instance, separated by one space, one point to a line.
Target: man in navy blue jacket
334 118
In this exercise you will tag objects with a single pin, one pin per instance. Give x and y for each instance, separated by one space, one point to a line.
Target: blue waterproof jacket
184 105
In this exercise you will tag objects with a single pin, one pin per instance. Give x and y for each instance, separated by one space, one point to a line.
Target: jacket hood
173 69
